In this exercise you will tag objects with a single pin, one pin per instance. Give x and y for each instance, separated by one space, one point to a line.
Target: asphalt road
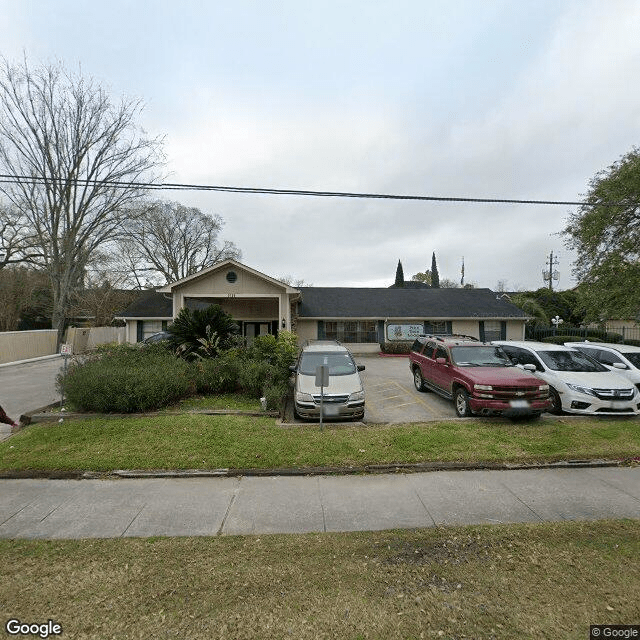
301 504
28 386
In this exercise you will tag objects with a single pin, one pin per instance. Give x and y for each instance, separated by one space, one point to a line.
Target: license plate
519 404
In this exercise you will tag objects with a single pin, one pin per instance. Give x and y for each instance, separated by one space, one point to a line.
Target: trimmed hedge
562 339
396 348
127 379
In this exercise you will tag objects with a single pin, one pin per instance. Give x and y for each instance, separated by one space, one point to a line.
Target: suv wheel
461 401
417 379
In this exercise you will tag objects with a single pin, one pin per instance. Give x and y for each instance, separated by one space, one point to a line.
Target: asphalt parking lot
391 396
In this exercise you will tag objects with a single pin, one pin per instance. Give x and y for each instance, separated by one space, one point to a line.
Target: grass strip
548 580
241 442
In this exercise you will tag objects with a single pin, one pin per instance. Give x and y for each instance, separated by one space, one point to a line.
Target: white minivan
344 395
577 383
620 358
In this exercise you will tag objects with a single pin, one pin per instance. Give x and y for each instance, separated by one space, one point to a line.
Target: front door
253 329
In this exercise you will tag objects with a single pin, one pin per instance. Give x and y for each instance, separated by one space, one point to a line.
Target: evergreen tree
399 276
435 276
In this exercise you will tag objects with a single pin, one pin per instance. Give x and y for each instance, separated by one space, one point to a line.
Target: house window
437 327
493 330
351 331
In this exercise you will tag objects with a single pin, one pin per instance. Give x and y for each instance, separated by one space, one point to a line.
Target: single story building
360 318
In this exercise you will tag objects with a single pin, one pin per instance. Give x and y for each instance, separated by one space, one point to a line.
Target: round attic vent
232 276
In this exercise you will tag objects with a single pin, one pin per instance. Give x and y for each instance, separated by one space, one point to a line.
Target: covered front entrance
259 304
250 330
255 316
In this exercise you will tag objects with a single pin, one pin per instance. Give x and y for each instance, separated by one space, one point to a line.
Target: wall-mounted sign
404 331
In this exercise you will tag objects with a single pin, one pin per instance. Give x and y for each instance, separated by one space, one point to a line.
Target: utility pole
551 274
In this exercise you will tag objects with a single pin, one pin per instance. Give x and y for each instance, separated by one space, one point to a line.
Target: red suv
477 376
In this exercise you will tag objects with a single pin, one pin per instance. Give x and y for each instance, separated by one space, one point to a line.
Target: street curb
28 360
422 467
38 416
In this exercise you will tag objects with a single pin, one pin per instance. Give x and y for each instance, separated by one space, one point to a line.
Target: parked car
157 337
477 376
620 358
343 397
577 383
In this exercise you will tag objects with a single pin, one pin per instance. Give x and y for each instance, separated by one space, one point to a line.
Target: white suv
577 383
343 397
620 358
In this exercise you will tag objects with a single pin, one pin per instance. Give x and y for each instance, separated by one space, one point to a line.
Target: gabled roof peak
168 288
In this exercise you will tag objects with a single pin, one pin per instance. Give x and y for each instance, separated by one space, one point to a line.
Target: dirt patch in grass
515 581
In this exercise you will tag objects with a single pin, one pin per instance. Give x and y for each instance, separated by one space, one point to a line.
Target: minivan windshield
340 364
558 360
480 357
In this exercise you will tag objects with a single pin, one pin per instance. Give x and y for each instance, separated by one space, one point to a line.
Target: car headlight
358 395
303 397
483 387
579 389
543 387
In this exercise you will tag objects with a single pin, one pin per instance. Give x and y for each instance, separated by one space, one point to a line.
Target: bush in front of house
127 379
134 378
265 367
202 333
280 351
593 335
562 339
219 374
396 348
275 394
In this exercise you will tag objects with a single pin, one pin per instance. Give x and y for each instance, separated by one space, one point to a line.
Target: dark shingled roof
344 302
150 304
350 302
412 284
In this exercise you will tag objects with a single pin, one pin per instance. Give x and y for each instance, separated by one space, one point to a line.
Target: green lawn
195 441
547 580
229 401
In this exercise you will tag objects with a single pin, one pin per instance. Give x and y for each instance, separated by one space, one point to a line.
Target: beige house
361 318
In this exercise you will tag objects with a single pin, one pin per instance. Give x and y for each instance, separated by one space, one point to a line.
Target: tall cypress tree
435 276
399 275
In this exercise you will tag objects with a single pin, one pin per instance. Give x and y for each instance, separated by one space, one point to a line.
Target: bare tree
172 241
73 165
294 282
17 242
18 288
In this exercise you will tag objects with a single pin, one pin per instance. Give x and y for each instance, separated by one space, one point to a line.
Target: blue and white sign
404 331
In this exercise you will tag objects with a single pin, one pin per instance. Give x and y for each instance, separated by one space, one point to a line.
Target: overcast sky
488 99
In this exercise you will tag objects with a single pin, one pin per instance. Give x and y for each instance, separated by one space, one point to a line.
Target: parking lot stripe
425 403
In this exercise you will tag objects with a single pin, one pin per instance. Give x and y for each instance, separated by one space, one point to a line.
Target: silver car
343 397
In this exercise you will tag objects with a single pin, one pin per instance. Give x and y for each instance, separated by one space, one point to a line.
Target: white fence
23 345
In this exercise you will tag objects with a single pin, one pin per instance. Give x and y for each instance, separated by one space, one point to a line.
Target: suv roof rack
453 336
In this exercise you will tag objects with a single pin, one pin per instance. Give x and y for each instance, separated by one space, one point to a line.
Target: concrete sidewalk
263 505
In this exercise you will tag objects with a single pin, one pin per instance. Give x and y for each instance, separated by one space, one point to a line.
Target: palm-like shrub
197 333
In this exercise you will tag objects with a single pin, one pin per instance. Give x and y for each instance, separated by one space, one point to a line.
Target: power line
170 186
